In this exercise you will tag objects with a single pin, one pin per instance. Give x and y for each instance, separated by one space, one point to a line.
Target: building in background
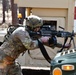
75 18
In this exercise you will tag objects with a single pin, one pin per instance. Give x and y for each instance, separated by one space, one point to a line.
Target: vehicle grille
68 52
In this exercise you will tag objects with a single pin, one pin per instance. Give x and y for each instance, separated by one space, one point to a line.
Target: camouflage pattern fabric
34 21
17 43
13 69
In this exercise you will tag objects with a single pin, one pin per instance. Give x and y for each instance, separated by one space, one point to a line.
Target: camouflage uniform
17 43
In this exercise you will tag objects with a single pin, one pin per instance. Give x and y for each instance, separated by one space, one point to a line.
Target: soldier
18 42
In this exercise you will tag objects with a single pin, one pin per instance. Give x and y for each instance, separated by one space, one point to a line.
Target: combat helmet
34 21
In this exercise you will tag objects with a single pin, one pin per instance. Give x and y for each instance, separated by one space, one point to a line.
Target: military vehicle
64 63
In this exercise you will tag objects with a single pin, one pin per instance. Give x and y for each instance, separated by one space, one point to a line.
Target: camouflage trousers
13 69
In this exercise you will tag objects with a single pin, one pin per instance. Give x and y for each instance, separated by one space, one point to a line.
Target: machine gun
46 30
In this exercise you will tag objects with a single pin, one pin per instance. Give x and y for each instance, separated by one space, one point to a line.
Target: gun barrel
65 34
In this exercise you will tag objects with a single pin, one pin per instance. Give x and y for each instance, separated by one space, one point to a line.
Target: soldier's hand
44 39
67 45
52 41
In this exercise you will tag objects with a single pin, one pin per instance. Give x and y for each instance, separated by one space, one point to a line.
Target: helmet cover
34 21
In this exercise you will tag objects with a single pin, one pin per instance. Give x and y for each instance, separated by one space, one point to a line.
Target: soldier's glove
67 45
44 39
52 42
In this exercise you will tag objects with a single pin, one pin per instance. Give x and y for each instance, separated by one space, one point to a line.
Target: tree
14 13
4 2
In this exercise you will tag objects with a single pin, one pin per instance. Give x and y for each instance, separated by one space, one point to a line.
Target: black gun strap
66 38
44 52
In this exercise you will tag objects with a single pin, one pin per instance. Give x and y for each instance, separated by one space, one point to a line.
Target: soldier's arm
23 35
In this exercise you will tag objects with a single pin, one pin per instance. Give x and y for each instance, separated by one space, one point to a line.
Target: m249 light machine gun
46 30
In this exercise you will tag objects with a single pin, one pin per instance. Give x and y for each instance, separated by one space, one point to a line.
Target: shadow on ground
35 72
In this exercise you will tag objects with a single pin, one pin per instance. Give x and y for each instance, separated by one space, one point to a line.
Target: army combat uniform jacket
17 43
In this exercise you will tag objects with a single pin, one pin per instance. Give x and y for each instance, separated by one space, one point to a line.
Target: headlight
57 71
68 67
